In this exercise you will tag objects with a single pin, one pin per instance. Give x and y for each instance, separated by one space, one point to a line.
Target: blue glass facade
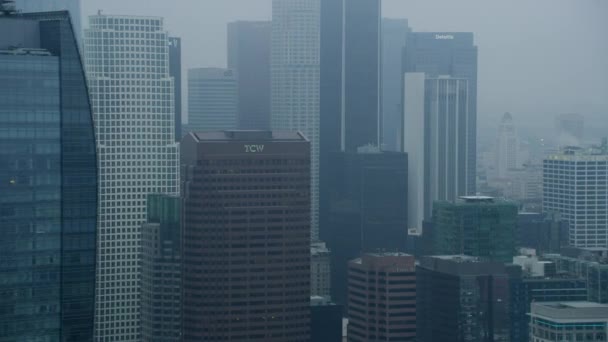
48 183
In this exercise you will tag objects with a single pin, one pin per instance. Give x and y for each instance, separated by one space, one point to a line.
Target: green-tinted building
475 225
161 270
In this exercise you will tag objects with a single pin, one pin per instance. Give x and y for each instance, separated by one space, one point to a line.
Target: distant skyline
537 58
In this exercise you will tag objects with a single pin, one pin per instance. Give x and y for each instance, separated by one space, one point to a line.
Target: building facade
568 321
161 270
249 55
382 298
575 185
546 233
175 71
48 183
367 209
320 266
451 54
394 36
475 226
72 6
507 146
461 298
436 118
127 64
294 79
593 269
325 320
212 99
246 274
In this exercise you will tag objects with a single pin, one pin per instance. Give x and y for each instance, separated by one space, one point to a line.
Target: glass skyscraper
449 54
72 6
48 183
132 95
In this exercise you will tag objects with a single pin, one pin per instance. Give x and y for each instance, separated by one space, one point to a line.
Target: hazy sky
537 58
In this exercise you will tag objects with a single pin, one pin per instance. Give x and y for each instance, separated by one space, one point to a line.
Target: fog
537 58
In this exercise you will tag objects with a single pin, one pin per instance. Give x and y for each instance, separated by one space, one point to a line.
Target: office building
161 270
507 147
320 266
461 298
568 321
72 6
436 118
48 182
575 186
212 99
544 287
133 107
451 54
294 75
475 226
367 209
570 129
325 320
382 298
350 84
589 264
394 36
246 274
175 71
249 55
544 232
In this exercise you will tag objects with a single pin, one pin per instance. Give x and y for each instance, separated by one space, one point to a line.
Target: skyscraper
436 123
175 71
72 6
320 270
453 54
382 298
212 99
476 226
246 236
48 183
367 209
461 298
350 81
249 55
161 270
394 36
127 63
570 129
575 185
325 320
294 70
507 146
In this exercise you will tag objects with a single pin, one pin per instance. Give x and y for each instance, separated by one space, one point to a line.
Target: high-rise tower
507 146
127 63
451 54
246 273
48 183
72 6
294 69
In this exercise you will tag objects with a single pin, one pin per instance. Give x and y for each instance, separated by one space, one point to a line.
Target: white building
575 184
507 147
295 77
320 276
131 92
568 321
72 6
435 138
212 99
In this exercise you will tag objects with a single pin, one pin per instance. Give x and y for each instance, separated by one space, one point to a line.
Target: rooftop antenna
7 7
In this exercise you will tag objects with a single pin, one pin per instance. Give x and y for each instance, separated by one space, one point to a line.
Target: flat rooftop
245 135
569 312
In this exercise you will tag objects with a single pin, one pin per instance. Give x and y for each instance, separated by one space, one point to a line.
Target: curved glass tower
48 183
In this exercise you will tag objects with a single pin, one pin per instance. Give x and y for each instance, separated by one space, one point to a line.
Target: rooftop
245 135
568 312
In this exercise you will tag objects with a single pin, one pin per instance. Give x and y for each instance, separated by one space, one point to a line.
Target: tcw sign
254 148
